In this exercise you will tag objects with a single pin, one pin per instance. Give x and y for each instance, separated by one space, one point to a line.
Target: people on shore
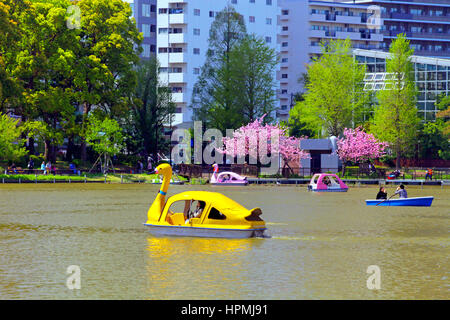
43 167
382 194
30 165
48 167
429 174
149 164
401 191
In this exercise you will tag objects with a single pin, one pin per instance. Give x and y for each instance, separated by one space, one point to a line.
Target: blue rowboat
412 202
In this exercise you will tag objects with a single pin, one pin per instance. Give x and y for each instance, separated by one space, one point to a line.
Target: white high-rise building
182 41
306 23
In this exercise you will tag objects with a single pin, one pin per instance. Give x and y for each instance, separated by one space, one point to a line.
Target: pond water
321 246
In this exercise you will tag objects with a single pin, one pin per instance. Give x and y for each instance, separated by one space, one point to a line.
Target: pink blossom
256 139
357 145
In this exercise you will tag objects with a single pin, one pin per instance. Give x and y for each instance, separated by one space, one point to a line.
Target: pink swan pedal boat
327 182
228 178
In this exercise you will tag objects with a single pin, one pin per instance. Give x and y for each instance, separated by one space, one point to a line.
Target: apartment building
304 25
426 24
144 12
182 41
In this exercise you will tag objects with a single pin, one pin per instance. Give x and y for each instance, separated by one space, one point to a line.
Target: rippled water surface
321 246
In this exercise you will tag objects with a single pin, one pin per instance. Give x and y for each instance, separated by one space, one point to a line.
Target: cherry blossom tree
257 140
358 146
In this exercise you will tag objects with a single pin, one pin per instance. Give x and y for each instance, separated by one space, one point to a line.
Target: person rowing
401 191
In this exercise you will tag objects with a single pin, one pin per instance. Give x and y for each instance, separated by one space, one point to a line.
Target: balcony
315 49
283 96
349 19
177 57
178 97
409 17
178 18
177 38
176 77
317 33
317 17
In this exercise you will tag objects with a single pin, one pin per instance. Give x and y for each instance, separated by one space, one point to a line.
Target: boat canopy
233 211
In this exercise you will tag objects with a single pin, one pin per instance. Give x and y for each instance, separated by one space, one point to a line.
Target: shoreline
255 181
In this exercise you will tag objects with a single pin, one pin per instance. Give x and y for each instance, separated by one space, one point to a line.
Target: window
284 107
196 70
285 28
146 30
284 76
284 44
146 52
252 1
251 19
216 214
284 12
269 2
284 60
196 32
177 90
234 1
196 12
211 14
284 91
146 10
268 20
162 10
196 51
268 39
162 30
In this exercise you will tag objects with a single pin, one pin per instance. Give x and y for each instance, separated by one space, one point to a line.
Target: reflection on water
320 248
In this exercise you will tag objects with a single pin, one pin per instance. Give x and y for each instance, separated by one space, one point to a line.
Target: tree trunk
70 149
86 109
47 150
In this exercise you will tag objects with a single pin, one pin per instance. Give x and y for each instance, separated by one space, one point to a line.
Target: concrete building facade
304 25
144 12
182 41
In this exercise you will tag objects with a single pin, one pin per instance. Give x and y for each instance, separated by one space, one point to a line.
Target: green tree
395 118
42 65
252 70
214 98
151 110
109 49
104 136
443 115
11 142
334 91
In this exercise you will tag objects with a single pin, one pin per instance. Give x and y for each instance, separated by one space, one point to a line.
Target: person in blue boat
382 194
401 192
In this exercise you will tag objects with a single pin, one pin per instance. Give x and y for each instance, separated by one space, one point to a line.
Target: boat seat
177 219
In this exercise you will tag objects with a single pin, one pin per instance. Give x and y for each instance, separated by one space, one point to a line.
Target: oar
385 199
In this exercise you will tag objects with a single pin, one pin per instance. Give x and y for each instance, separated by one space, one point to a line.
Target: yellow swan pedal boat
201 214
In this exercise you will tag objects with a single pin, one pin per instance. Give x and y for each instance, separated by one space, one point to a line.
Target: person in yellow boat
197 212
